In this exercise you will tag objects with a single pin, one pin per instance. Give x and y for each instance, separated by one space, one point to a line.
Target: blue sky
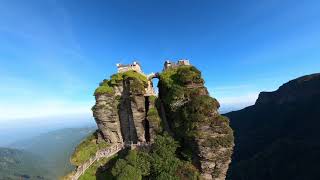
53 53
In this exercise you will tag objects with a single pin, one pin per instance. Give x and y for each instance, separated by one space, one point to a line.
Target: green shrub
164 145
154 119
187 75
132 157
198 111
135 161
166 77
132 167
129 173
202 105
163 155
116 79
166 176
144 163
160 163
137 87
105 89
118 167
135 75
94 171
152 99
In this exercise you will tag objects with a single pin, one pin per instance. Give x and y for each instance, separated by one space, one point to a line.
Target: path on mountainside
103 153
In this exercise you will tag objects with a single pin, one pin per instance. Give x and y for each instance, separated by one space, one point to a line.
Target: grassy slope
86 149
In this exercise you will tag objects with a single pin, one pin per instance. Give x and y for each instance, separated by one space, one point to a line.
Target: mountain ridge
277 137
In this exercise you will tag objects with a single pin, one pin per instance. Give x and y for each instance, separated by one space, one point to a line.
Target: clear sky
53 53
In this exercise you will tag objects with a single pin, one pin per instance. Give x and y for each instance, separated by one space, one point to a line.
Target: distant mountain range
13 130
18 164
277 138
45 156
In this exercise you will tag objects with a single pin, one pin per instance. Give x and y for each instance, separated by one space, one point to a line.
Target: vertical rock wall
106 117
121 116
139 115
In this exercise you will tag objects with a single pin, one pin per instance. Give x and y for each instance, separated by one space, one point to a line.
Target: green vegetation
154 119
118 77
221 125
166 77
199 111
20 164
189 107
203 105
174 83
133 166
186 105
182 75
104 88
153 99
135 75
87 149
137 87
160 164
188 74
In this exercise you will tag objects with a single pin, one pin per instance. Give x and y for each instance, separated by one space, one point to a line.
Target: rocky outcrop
121 113
106 117
126 111
194 119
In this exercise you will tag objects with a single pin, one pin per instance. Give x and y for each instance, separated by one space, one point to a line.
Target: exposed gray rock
121 117
139 115
106 117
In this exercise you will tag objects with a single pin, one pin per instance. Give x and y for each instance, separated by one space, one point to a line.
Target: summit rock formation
129 112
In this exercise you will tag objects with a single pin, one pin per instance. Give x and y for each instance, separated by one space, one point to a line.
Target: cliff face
121 109
277 138
194 119
107 118
132 113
